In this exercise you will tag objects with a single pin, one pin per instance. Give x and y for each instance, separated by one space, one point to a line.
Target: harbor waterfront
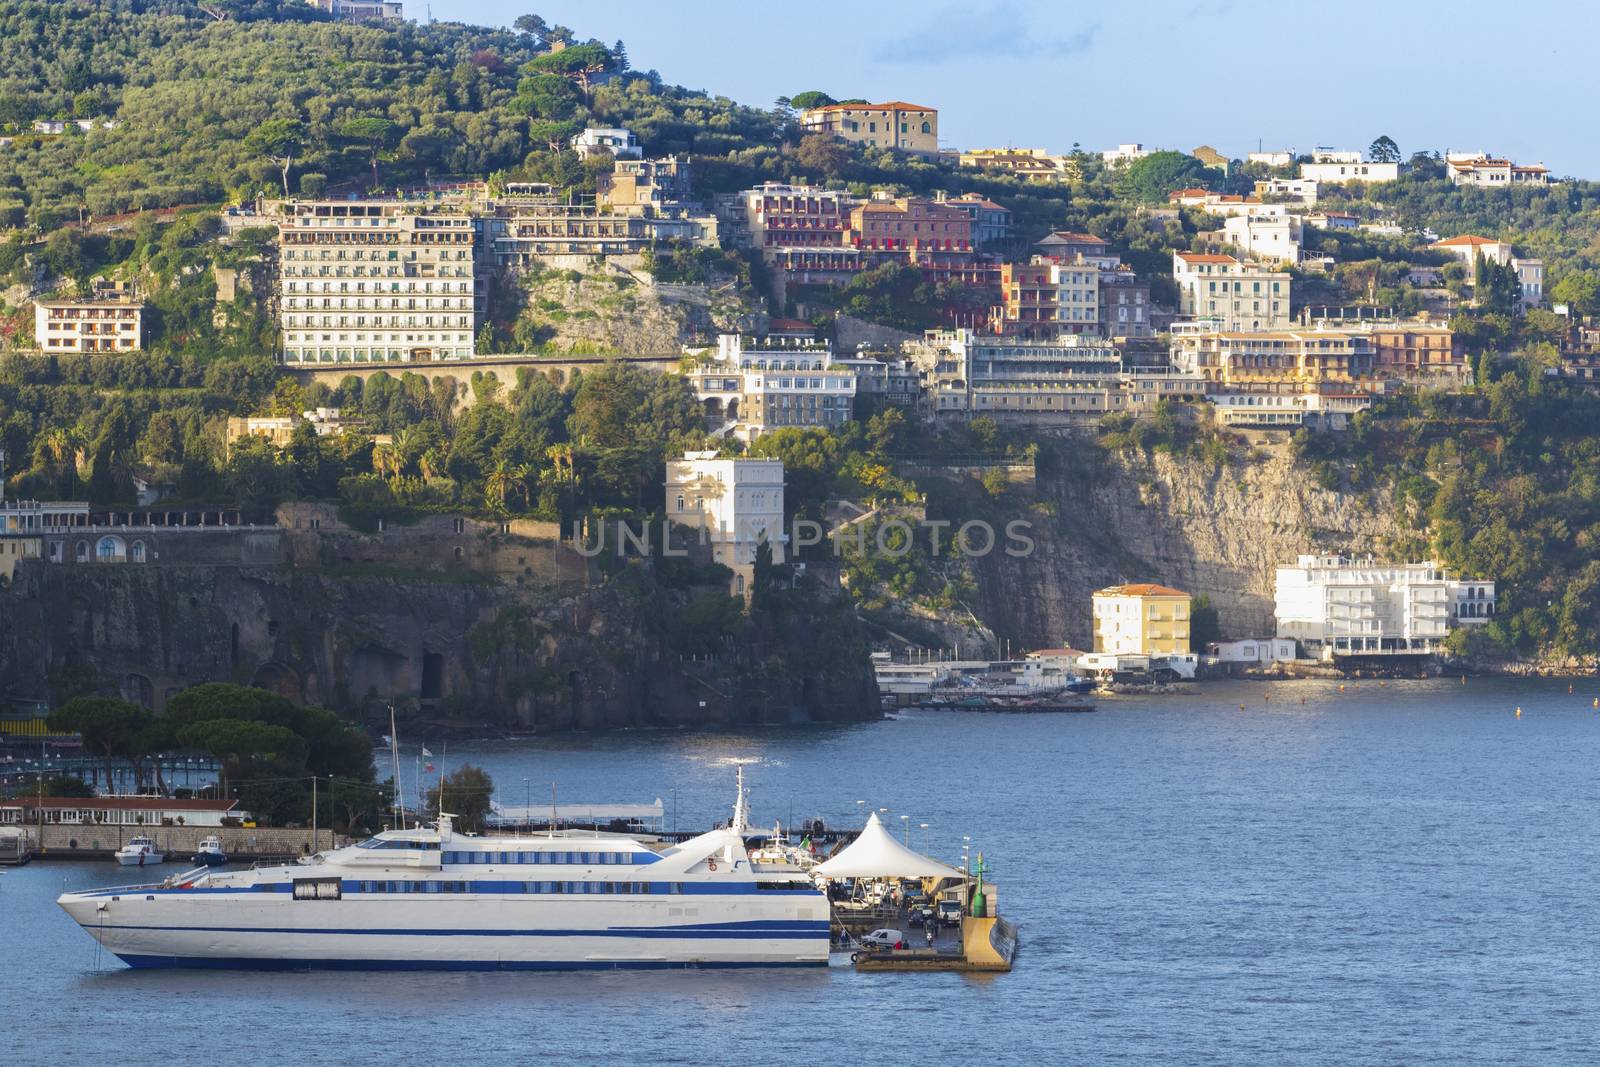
1393 872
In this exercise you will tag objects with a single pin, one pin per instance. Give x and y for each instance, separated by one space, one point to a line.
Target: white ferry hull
166 928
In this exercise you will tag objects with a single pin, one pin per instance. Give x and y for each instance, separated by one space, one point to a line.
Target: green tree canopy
1151 178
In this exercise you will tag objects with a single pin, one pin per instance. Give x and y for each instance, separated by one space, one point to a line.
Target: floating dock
986 946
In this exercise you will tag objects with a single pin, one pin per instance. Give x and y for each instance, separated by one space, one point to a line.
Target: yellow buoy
1519 713
1341 687
1597 702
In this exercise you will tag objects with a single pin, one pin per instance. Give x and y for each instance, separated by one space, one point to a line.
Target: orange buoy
1519 713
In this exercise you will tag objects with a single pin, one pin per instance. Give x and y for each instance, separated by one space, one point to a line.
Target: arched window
82 552
926 128
136 552
110 548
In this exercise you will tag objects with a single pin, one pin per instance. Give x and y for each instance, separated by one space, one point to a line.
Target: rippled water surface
1404 874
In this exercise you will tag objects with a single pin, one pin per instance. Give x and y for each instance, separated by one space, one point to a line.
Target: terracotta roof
1073 238
124 803
897 105
1466 241
1185 193
1141 589
789 324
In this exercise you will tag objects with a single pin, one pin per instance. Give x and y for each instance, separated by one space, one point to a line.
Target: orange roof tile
1466 240
896 105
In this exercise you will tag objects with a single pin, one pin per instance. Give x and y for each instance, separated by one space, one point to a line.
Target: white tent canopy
876 854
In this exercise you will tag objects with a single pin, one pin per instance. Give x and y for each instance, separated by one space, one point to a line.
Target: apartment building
1124 303
1066 246
1043 298
910 224
1337 168
991 222
775 215
1237 296
895 124
1301 190
1339 606
375 281
748 386
644 186
1141 619
1029 164
1282 361
1482 169
737 504
1273 236
79 326
965 373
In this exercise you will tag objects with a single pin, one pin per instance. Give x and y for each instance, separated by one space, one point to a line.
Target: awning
876 854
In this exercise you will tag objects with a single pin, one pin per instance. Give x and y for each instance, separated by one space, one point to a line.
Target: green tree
1151 178
467 794
1204 626
1384 150
1579 290
279 140
580 63
107 726
812 98
376 134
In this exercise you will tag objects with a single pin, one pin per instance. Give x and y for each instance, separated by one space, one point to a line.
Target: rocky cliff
451 620
1218 530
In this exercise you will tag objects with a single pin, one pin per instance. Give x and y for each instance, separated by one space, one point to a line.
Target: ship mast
741 807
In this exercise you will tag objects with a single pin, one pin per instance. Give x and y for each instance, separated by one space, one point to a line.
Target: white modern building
1124 153
372 281
615 141
735 503
1263 651
1335 167
1271 159
1272 236
1239 296
1340 606
1299 189
61 326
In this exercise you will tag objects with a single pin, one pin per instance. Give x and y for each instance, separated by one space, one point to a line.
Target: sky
1435 75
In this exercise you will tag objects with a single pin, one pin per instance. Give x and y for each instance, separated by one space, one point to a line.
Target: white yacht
140 851
431 898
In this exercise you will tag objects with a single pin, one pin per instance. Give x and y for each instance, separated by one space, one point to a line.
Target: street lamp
925 849
905 821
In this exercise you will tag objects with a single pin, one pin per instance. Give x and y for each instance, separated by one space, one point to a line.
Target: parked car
884 938
923 914
950 912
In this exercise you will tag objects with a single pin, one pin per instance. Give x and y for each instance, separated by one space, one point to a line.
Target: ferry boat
427 898
210 853
140 851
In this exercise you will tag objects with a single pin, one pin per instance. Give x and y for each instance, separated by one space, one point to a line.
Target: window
82 552
136 552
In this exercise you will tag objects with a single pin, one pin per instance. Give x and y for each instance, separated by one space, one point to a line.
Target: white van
884 938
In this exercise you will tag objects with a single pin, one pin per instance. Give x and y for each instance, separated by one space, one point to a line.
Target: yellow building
1141 620
896 124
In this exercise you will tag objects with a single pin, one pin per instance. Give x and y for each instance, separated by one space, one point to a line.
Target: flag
428 767
425 751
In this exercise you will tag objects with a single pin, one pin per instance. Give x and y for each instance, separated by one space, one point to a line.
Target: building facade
1337 168
747 386
1482 169
1338 606
1046 299
1282 361
644 186
370 281
362 10
895 124
1238 296
614 141
909 224
1141 620
1274 237
63 326
736 503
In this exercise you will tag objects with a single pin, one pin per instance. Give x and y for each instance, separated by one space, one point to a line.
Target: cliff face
1176 520
516 634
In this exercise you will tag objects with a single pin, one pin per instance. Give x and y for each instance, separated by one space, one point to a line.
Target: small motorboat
140 851
210 853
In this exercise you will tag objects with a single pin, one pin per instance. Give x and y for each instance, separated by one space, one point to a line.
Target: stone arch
136 552
713 406
110 549
140 690
278 677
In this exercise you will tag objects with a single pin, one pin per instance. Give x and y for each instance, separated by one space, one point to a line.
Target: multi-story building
887 379
1046 299
1141 620
1020 379
1470 248
1236 295
1274 361
1273 236
1065 246
61 326
1340 606
362 10
644 186
31 529
908 224
748 386
991 222
1271 159
895 124
375 281
1417 350
1124 304
737 504
1480 168
614 141
1124 153
793 216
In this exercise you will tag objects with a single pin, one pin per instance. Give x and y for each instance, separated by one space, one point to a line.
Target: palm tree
430 463
521 479
386 461
496 485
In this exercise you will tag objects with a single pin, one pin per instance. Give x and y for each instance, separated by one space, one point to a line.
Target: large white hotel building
367 281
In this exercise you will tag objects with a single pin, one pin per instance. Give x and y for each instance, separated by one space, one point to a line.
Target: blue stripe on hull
819 929
244 964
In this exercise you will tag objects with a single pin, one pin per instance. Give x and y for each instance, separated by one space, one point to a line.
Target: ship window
316 889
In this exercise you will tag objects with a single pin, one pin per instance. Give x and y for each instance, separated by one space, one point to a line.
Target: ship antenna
394 754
